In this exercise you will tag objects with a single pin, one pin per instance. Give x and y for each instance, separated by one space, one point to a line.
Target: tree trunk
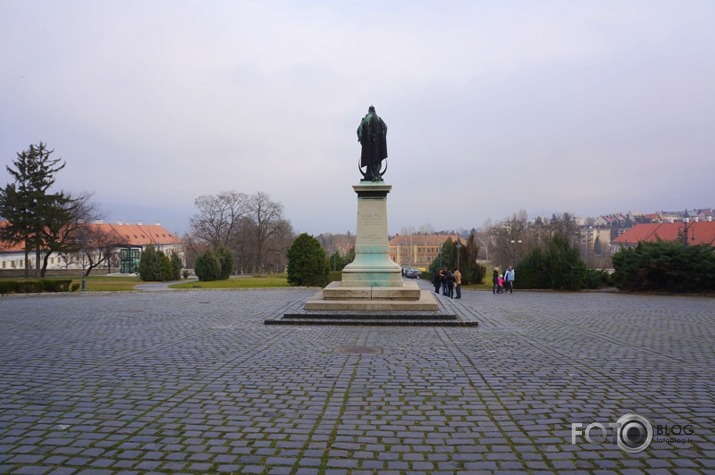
27 261
45 260
38 262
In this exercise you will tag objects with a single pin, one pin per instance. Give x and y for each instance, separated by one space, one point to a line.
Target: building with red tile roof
698 232
130 240
140 235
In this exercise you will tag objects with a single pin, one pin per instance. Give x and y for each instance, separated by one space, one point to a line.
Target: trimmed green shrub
208 266
57 285
338 262
176 265
34 286
225 257
154 265
665 266
307 264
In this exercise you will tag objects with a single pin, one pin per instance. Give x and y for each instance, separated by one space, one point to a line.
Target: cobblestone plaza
194 382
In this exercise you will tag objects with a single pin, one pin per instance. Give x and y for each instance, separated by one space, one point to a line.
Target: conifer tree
28 205
307 264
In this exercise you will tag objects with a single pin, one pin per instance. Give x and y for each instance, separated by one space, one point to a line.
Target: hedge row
36 286
665 266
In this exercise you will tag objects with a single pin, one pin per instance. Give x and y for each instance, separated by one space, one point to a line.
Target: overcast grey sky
589 107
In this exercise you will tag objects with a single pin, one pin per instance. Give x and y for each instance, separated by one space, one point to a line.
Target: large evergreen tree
28 205
558 266
472 272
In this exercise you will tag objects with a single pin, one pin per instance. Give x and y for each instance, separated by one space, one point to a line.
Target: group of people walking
503 283
449 282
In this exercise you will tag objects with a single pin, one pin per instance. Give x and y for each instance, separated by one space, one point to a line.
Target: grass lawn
241 282
484 286
118 283
109 283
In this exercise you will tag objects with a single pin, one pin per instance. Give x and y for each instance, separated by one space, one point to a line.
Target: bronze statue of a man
372 135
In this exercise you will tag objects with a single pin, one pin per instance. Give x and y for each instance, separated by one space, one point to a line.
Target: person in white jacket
509 280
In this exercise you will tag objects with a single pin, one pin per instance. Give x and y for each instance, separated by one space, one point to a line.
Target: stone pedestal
372 266
372 282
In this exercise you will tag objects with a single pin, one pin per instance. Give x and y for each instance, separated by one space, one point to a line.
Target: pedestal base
409 297
373 276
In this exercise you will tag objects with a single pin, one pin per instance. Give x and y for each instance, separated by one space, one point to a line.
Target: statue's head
371 109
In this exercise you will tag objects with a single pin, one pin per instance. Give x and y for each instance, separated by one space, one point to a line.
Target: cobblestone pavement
193 382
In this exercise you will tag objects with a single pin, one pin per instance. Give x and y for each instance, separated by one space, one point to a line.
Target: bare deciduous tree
566 225
63 236
101 248
268 223
252 226
508 239
218 220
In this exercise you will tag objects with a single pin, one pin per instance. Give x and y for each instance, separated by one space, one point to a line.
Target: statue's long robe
372 134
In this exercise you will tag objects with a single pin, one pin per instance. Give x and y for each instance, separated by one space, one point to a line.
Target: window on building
129 260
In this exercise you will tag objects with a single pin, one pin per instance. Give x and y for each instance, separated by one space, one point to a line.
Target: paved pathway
193 382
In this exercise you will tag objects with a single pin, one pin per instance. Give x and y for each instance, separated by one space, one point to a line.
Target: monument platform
369 299
448 313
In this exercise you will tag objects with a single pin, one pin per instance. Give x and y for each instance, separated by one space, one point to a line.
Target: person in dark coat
449 278
443 279
372 135
495 280
436 281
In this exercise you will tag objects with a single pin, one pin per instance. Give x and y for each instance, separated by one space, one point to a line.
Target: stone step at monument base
425 303
406 298
407 291
370 320
448 314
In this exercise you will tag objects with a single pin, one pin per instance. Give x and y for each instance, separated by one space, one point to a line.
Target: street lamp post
687 225
84 251
458 246
486 248
513 244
